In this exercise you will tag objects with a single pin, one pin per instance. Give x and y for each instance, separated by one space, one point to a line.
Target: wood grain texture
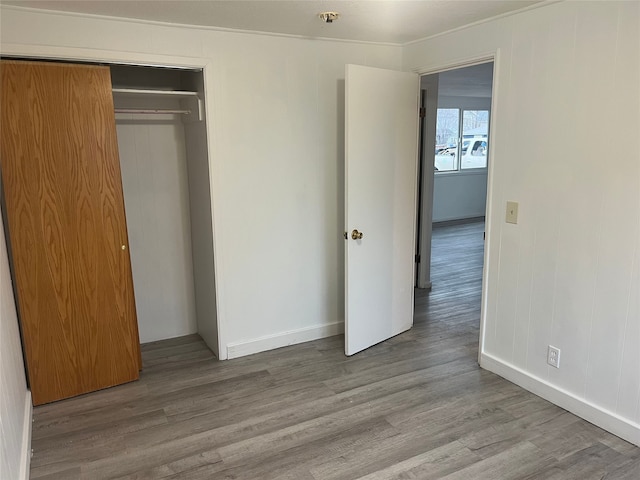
65 210
416 406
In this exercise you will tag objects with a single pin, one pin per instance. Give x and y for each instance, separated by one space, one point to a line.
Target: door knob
356 235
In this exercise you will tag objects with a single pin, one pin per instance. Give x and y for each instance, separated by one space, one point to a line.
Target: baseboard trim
269 342
25 462
609 421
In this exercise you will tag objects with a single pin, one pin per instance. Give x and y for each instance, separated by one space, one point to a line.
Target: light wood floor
414 407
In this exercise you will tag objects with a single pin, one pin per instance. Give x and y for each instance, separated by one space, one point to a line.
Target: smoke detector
329 17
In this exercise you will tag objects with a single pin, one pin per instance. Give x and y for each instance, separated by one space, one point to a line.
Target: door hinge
423 112
417 258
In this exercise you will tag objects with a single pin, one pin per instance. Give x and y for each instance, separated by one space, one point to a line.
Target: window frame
459 169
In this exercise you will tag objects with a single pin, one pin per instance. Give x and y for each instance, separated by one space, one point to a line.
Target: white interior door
381 137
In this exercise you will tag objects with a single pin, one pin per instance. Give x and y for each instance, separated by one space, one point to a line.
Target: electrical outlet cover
553 356
512 212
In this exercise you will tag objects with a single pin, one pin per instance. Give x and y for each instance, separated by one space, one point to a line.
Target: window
447 134
462 139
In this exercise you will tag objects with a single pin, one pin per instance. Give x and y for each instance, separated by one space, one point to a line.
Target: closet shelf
152 111
191 105
161 93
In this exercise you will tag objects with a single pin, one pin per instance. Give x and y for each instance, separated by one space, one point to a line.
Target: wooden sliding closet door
67 228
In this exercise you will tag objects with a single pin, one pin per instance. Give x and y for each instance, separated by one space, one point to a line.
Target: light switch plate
512 212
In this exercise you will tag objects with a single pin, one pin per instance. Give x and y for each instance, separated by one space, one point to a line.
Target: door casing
428 175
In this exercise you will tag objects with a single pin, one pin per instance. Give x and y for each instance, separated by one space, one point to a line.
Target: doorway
376 134
455 164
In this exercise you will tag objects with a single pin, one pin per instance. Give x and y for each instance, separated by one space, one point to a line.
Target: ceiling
384 21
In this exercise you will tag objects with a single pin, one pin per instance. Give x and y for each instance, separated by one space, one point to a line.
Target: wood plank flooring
414 407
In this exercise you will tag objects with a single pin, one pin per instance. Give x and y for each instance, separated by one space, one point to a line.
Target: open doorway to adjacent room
454 164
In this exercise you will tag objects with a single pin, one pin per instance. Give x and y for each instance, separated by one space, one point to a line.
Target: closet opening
108 223
162 141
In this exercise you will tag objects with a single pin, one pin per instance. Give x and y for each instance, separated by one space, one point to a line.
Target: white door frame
48 52
493 56
425 184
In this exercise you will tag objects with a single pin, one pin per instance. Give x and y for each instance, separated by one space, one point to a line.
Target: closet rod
151 111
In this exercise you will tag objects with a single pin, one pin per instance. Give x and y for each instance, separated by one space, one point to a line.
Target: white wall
568 274
156 194
202 228
459 195
279 183
275 120
15 399
468 103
